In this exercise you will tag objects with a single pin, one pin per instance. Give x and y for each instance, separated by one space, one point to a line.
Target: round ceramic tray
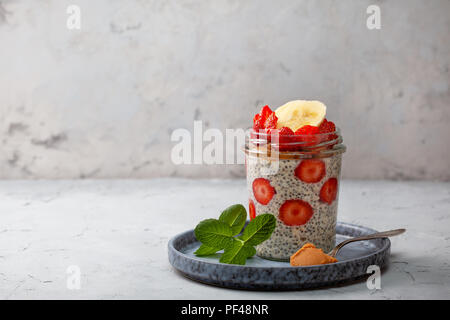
261 274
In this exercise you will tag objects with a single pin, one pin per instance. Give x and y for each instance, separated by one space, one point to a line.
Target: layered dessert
293 159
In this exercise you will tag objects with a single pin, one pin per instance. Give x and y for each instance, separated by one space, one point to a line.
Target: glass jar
295 178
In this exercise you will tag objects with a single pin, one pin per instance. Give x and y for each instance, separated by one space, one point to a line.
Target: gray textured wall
102 101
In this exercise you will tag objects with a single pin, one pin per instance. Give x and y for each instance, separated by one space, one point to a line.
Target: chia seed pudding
293 163
319 229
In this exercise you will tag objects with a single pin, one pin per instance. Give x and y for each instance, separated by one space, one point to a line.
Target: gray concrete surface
102 101
116 232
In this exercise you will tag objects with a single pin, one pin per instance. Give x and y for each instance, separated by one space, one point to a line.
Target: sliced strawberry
285 136
307 130
271 121
262 190
327 126
295 212
272 133
310 171
329 189
258 122
307 135
251 209
266 111
285 131
265 119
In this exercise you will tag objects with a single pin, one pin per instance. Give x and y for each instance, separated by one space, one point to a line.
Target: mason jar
295 178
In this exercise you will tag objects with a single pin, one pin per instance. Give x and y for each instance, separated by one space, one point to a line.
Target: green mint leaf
204 250
237 252
219 234
259 229
235 217
213 233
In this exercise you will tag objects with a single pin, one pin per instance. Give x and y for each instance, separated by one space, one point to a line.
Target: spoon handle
377 235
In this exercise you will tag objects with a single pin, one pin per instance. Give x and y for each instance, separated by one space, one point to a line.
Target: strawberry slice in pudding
328 192
310 171
263 191
295 212
251 209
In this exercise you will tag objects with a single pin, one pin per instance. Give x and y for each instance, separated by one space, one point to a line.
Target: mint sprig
204 250
214 233
237 252
259 230
220 234
235 217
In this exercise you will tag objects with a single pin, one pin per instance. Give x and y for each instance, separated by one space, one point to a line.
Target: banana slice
298 113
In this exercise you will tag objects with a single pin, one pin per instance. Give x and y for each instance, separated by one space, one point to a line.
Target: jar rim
263 144
265 133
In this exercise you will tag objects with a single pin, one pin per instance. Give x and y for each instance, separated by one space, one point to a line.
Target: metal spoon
377 235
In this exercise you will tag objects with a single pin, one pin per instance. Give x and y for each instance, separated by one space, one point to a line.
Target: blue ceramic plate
261 274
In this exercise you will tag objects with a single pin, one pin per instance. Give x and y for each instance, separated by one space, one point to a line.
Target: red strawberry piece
251 209
307 135
258 122
310 171
266 111
268 133
285 131
262 190
327 126
329 189
265 119
307 130
295 212
286 137
271 121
